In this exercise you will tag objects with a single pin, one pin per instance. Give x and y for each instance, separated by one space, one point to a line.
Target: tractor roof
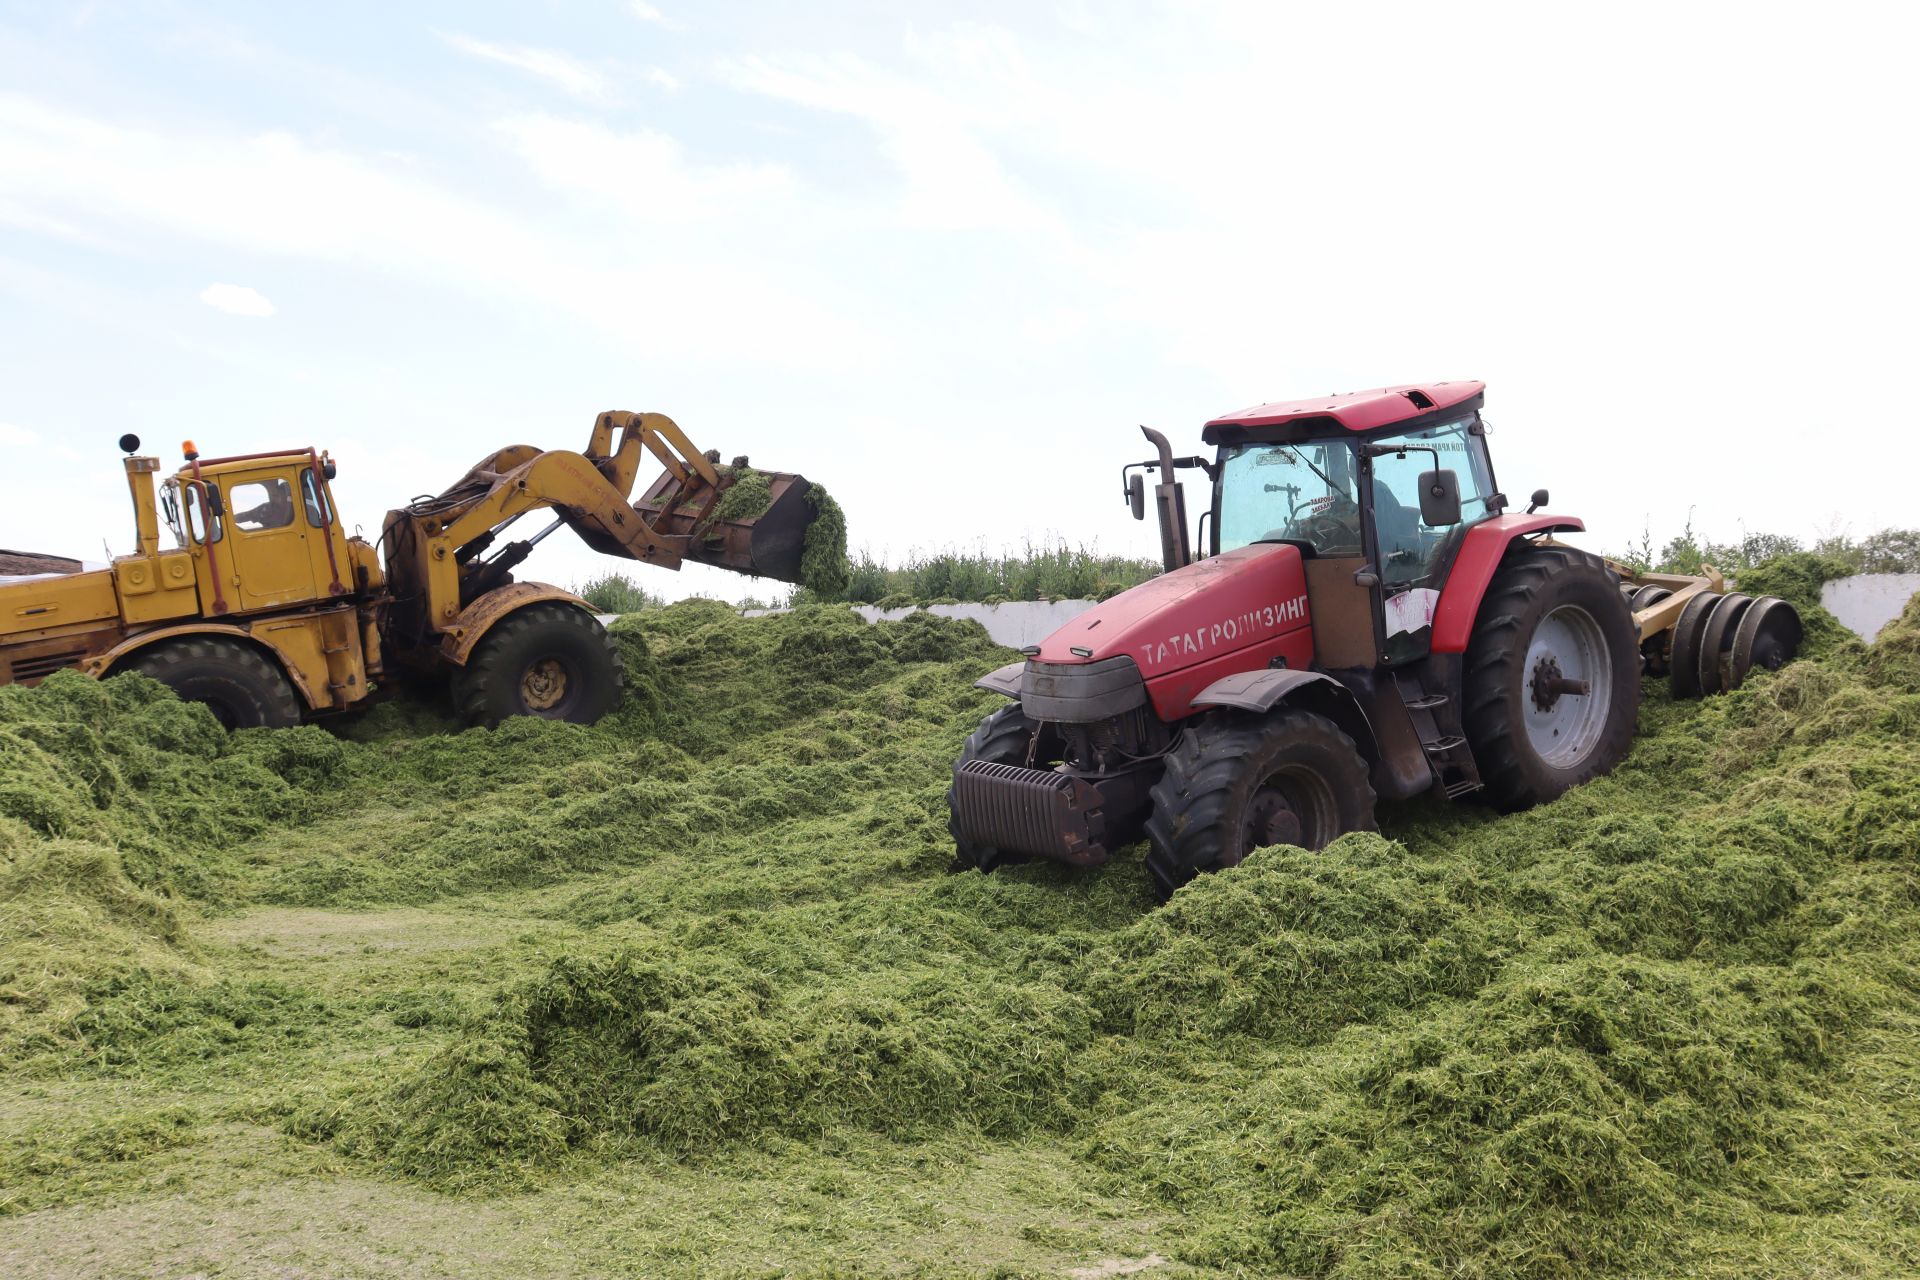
1352 411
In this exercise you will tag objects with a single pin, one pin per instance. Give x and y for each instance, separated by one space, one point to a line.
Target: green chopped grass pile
1667 1025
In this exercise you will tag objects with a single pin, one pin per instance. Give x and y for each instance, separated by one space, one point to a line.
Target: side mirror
1539 500
129 443
1439 499
215 504
1137 495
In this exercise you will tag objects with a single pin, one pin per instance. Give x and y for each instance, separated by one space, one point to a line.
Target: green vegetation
1053 571
693 992
617 593
823 560
1888 551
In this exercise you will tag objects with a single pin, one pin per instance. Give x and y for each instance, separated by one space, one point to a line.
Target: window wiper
1332 488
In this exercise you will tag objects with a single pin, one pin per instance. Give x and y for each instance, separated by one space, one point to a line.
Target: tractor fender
1481 551
103 664
1004 680
1261 691
478 618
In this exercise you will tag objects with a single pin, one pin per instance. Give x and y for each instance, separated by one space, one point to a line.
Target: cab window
261 504
1412 552
319 511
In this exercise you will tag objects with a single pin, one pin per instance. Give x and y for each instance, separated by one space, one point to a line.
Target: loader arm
657 434
437 547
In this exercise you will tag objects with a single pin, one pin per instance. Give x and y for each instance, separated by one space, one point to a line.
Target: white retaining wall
1864 603
1015 624
1867 602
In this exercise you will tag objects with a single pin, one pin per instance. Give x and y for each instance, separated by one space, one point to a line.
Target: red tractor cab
1368 620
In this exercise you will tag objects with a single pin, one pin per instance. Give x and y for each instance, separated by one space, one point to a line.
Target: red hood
1207 609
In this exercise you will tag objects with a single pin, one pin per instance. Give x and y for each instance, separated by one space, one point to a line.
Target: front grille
45 664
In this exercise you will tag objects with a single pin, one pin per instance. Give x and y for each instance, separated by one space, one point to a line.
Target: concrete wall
1868 601
1015 624
1864 603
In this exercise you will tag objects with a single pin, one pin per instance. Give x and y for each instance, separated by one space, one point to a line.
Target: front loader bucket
767 545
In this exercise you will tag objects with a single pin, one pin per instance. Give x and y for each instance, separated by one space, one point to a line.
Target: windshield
1297 493
1306 493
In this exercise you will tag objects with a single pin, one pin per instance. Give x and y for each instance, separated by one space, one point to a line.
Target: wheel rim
1293 806
1569 687
544 686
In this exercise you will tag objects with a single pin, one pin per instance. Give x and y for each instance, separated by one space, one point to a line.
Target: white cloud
644 174
277 194
664 79
646 12
953 180
17 436
236 300
558 69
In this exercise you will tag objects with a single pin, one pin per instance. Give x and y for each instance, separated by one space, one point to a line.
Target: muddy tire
1004 737
242 688
1552 623
550 659
1237 783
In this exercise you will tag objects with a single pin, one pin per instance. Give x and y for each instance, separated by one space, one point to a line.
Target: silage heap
1667 1024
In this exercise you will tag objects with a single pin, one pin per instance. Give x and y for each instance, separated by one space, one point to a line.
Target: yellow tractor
267 611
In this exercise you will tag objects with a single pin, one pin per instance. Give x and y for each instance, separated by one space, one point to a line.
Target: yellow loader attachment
437 546
764 536
689 511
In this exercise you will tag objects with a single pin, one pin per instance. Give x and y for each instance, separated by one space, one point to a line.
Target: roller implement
1369 620
268 612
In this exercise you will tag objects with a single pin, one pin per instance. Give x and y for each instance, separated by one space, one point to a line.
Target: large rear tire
1234 784
1006 736
1553 622
240 686
550 659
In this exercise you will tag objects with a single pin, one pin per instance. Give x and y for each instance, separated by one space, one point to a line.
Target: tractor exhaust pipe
1169 499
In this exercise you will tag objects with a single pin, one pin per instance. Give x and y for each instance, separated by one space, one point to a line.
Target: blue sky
944 258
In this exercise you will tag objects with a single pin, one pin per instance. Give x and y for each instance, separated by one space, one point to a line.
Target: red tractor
1369 621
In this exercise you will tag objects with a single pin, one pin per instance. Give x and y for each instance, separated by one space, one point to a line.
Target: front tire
550 659
1553 620
1234 784
242 688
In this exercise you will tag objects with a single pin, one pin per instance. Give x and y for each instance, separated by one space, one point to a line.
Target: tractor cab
1376 490
261 528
